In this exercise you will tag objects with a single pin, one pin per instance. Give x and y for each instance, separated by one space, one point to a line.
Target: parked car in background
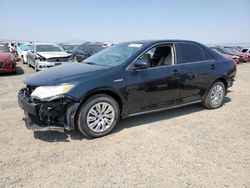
221 52
14 45
11 45
45 55
69 47
238 48
13 48
245 50
7 60
125 80
229 52
87 49
22 51
246 57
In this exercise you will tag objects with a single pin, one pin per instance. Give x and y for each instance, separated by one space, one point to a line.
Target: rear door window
188 52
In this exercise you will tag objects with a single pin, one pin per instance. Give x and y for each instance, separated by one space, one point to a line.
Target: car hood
68 73
4 56
48 55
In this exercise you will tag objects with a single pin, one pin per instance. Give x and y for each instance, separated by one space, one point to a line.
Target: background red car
245 56
7 60
235 58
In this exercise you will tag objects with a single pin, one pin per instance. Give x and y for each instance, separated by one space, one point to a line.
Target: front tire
215 96
98 116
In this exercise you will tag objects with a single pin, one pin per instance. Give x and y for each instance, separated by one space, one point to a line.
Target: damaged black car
125 80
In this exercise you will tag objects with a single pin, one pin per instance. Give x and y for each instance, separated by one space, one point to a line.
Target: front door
157 86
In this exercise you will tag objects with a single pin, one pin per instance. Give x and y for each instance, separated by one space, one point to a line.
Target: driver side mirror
141 64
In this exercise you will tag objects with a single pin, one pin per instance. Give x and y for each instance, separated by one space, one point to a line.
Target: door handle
213 66
175 72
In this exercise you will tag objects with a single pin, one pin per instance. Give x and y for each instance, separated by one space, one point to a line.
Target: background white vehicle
45 55
22 51
245 50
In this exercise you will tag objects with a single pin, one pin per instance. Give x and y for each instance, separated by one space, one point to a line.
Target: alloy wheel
100 117
217 95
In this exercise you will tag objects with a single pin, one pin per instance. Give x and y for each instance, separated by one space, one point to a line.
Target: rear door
197 67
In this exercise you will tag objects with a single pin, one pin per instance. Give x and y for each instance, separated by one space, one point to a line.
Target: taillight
235 61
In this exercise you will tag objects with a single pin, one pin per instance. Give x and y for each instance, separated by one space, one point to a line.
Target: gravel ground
185 147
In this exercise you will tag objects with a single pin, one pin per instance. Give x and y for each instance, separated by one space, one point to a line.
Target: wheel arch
107 91
223 80
220 78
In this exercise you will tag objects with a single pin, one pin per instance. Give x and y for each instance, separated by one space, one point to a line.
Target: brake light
235 61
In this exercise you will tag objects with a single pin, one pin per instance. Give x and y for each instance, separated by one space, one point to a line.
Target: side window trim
173 51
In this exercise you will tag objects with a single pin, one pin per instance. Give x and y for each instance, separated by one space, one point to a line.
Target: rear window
244 50
4 49
191 53
83 47
96 48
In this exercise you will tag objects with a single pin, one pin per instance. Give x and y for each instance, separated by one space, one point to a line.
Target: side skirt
161 109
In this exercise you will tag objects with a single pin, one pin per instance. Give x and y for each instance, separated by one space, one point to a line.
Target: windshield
69 47
48 48
4 49
234 50
230 50
115 55
96 48
25 47
223 50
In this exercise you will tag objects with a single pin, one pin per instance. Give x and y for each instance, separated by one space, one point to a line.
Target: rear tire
98 116
215 96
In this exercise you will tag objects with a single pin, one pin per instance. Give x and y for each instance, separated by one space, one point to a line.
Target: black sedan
127 79
86 50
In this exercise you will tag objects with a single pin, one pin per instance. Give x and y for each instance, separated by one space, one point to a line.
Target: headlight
11 58
44 92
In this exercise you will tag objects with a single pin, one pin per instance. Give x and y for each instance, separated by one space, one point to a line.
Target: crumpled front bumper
55 115
41 65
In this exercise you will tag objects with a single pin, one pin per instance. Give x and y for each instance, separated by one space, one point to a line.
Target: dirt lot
186 147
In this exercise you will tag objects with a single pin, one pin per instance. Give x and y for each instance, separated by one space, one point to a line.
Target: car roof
26 44
44 43
93 43
162 41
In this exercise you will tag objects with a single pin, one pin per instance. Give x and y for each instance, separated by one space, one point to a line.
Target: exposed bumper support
35 127
55 115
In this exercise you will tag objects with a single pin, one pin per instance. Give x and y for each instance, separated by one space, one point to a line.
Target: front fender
104 90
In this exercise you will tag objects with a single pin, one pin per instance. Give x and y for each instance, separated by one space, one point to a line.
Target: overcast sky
210 21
